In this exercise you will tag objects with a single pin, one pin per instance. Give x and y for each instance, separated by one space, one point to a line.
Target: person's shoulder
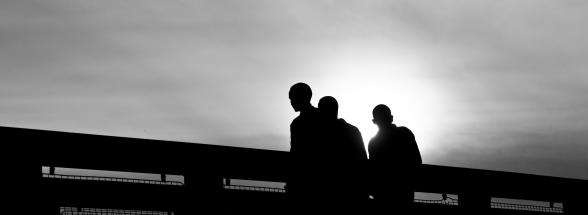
347 125
342 121
311 113
404 130
295 121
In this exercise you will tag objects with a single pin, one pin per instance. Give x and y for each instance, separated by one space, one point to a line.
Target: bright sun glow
362 80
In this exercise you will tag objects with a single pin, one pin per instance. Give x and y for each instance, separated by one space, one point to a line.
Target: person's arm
372 149
415 148
293 137
359 145
410 139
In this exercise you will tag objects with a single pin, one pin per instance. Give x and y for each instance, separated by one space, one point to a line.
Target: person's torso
393 147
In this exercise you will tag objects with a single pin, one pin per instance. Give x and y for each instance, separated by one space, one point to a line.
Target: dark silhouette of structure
345 158
394 157
29 190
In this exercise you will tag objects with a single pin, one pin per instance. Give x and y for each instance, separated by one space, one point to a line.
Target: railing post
46 202
576 197
474 202
202 192
28 189
576 205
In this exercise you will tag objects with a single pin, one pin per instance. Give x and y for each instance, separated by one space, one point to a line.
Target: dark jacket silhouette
344 158
302 185
394 161
304 134
396 148
351 147
347 159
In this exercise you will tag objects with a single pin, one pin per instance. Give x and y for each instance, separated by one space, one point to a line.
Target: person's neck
306 108
386 126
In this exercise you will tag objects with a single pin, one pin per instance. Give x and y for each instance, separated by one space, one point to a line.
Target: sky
497 85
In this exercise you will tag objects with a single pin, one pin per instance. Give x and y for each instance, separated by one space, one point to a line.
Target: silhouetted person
394 160
302 186
344 156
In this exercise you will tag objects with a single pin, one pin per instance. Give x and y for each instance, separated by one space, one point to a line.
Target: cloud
557 153
510 75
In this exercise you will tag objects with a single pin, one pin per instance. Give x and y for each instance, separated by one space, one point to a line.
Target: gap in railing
108 211
45 169
527 205
436 198
254 183
113 174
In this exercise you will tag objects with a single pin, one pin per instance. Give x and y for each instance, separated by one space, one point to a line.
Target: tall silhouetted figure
344 157
302 186
394 160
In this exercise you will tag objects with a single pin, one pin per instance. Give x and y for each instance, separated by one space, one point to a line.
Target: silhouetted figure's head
382 115
300 94
328 107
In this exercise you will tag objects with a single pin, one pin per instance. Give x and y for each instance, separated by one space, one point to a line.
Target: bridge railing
205 166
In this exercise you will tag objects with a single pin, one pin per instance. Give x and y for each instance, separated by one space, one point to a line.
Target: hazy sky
483 84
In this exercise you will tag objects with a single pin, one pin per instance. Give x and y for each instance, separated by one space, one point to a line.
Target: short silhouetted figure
302 185
344 157
394 160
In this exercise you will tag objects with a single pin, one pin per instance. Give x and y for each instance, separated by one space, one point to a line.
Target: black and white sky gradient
496 85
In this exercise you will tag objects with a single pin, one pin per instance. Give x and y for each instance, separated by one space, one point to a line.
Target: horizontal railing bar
114 179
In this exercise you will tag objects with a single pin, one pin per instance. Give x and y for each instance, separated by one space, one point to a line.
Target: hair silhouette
300 95
382 115
328 107
394 159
